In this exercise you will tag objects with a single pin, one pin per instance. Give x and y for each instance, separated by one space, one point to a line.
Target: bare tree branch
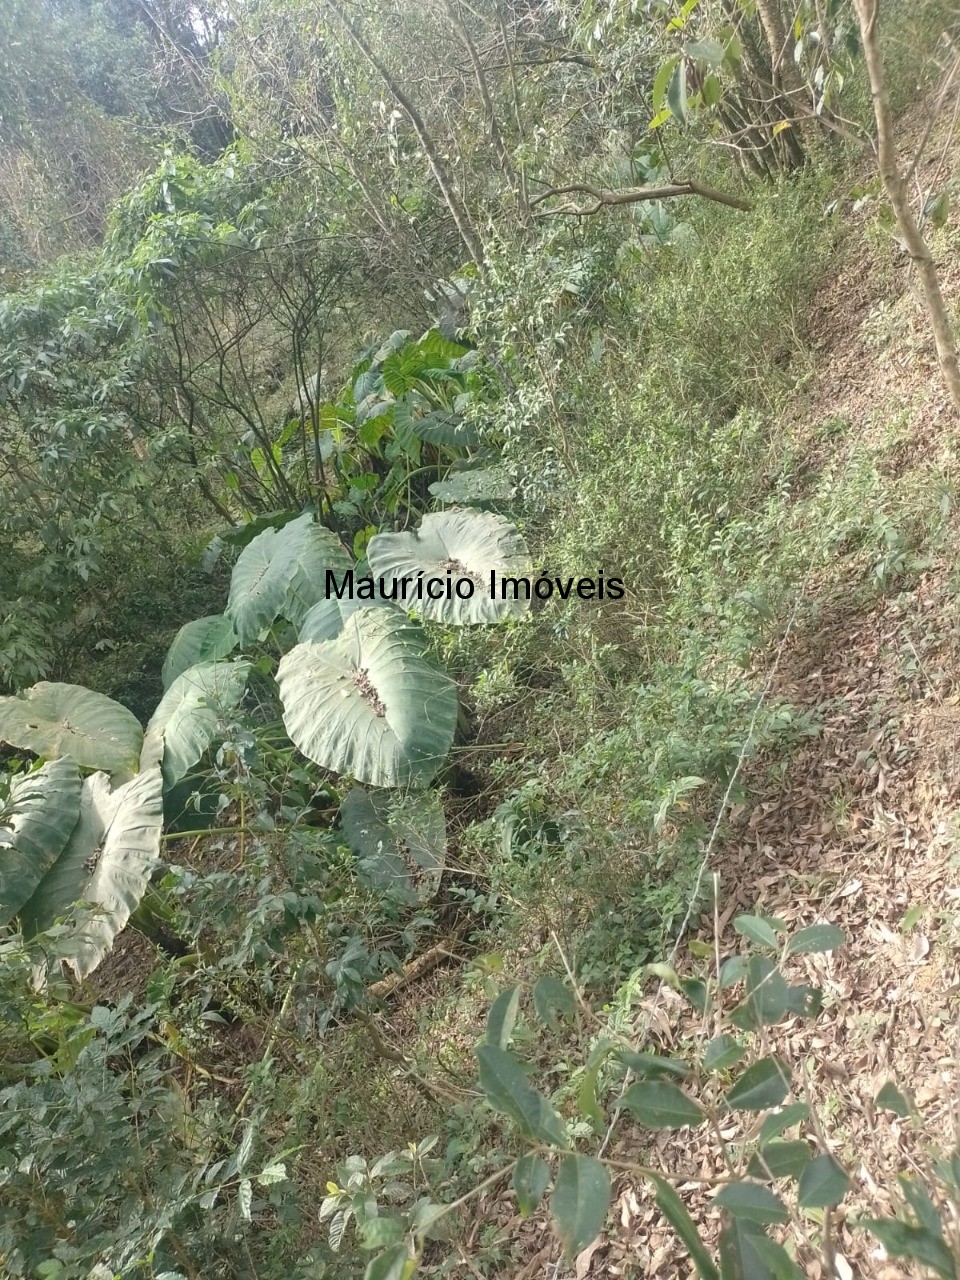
634 195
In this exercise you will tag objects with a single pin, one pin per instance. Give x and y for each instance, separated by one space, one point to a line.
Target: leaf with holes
281 574
41 812
465 545
400 841
203 640
190 715
107 864
370 704
54 720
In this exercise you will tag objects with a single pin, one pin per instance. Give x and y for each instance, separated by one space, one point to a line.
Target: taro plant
360 695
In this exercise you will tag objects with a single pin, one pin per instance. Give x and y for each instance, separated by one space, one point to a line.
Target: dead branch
634 195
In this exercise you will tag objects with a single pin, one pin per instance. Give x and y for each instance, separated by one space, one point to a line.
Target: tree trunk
896 189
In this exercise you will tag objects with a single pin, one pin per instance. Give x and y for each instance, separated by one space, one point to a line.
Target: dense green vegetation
295 291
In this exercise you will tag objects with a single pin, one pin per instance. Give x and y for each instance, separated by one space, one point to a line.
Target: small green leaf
395 1264
758 931
752 1201
381 1233
675 1212
722 1052
818 937
531 1178
551 996
677 91
767 996
660 82
763 1085
732 971
502 1017
650 1066
891 1099
901 1240
778 1123
503 1081
697 993
804 1002
779 1160
823 1184
581 1197
779 1264
712 91
919 1201
660 1105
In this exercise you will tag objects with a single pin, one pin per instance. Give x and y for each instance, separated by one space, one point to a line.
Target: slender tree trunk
443 178
896 189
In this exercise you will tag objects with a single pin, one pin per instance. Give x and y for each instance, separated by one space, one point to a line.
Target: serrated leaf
581 1197
41 813
751 1200
675 1212
503 1017
823 1183
503 1081
551 996
817 937
657 1104
764 1084
531 1177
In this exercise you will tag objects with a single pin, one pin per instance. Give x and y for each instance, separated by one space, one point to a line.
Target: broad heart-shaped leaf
203 640
54 720
42 812
325 619
370 704
281 574
401 841
189 715
657 1104
447 429
581 1197
531 1178
503 1081
474 488
107 864
456 545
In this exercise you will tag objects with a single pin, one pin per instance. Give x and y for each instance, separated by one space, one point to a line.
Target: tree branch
634 195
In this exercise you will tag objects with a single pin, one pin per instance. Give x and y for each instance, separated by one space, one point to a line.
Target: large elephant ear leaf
371 703
400 841
203 640
35 825
281 574
106 865
464 544
189 717
325 620
55 720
